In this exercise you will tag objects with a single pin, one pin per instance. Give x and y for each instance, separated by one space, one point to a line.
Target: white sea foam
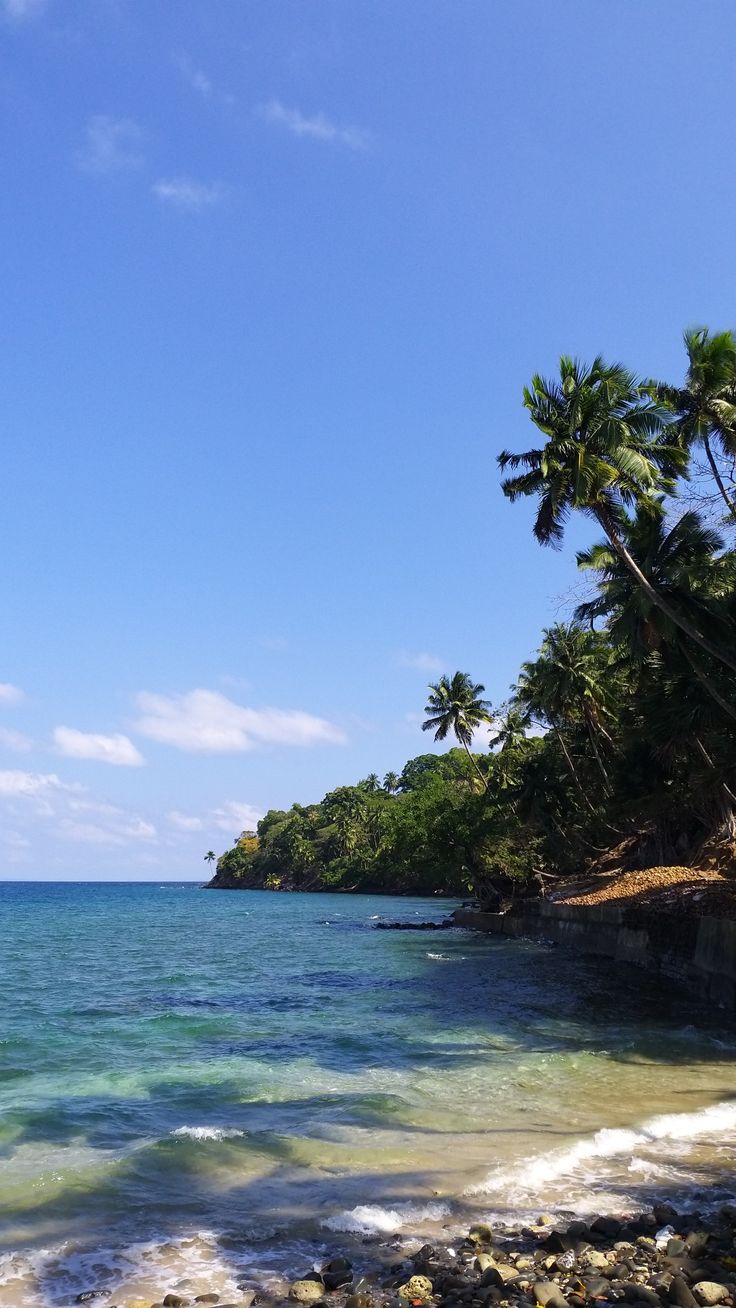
51 1277
609 1143
207 1132
368 1219
444 957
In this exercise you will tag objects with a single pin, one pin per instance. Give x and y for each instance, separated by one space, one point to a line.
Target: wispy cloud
41 793
110 145
184 821
117 749
317 127
91 822
234 817
31 784
15 740
204 721
10 694
185 193
117 828
420 662
30 797
194 76
19 10
231 817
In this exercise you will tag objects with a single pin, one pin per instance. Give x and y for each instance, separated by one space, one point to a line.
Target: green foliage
622 727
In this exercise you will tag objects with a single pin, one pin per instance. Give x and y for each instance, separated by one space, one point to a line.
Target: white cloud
420 662
10 694
94 823
32 784
204 721
118 750
234 818
185 193
122 831
318 127
15 740
20 9
111 145
41 792
184 822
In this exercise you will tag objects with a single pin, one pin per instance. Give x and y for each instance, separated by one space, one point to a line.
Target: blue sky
274 275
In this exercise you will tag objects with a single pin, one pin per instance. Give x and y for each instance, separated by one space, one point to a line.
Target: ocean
199 1090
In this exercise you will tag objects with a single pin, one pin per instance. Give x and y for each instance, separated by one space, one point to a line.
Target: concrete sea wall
698 952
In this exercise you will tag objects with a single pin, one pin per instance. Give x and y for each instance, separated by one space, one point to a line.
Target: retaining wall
699 952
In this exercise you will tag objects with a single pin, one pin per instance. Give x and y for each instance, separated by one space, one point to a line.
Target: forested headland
620 731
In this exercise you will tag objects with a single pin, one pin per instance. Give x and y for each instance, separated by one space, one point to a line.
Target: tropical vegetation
620 731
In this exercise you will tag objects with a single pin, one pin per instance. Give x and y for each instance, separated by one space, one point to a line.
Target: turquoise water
198 1085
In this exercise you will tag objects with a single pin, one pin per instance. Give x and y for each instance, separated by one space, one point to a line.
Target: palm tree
686 564
391 783
571 682
510 729
705 407
606 449
209 856
456 705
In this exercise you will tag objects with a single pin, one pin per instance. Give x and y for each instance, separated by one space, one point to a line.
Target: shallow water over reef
201 1088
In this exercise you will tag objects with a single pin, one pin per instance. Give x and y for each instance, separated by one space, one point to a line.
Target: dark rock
491 1277
664 1214
634 1293
680 1293
206 1298
596 1287
479 1233
412 926
556 1242
579 1230
676 1247
174 1301
696 1242
88 1295
608 1227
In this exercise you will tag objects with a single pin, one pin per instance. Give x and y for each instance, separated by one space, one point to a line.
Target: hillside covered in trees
621 729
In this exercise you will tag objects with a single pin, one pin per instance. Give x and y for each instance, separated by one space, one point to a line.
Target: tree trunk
573 772
475 765
728 800
596 752
705 681
718 478
683 623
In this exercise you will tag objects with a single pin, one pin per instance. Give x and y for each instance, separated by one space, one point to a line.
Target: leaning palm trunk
727 797
683 623
597 755
572 769
464 744
731 505
708 685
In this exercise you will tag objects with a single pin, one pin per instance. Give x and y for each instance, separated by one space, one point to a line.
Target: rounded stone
483 1261
306 1291
417 1287
710 1293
